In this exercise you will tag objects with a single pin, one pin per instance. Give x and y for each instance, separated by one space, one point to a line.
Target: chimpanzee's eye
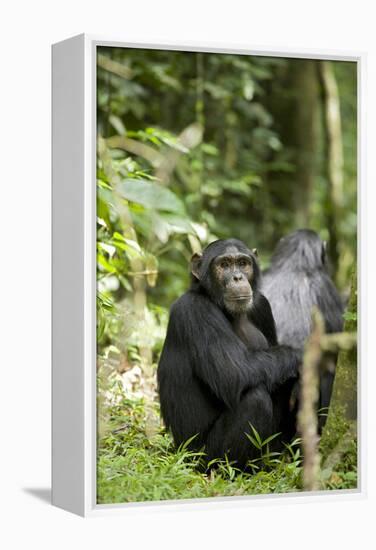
243 263
224 264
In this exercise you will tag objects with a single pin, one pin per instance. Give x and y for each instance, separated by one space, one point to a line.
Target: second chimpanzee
296 281
221 369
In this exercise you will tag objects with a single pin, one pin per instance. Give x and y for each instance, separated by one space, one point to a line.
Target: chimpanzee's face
233 273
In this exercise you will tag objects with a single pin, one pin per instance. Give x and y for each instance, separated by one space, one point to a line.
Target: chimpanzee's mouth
239 298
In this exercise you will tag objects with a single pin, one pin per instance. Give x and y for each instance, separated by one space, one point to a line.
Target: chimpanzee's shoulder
191 304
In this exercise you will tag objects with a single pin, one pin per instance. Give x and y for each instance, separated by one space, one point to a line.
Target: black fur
217 374
297 280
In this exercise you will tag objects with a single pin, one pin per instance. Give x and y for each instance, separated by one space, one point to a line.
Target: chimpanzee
221 366
297 280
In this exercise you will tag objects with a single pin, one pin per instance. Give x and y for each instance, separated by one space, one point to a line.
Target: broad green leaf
107 248
151 195
201 231
102 262
133 244
131 248
177 224
118 236
160 228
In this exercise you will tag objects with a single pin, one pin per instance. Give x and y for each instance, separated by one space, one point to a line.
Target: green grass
133 467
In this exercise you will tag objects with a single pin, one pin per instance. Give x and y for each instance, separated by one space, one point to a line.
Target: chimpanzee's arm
277 365
219 358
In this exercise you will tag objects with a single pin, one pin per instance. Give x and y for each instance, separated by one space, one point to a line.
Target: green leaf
117 123
257 436
270 438
350 316
105 264
103 185
104 301
160 228
107 248
151 195
253 441
177 224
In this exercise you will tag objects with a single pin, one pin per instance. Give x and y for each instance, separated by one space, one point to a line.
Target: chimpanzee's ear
324 252
254 251
195 265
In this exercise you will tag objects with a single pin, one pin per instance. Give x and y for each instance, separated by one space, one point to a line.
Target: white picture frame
74 275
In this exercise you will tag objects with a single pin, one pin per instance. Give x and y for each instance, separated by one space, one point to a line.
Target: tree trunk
333 156
341 425
295 101
345 393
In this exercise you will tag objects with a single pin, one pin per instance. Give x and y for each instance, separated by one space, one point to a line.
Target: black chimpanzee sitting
296 281
221 368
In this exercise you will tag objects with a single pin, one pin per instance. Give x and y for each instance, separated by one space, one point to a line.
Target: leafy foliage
133 467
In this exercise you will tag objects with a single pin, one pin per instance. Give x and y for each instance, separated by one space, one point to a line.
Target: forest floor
135 466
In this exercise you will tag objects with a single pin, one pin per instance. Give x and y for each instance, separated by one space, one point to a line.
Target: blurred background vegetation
193 147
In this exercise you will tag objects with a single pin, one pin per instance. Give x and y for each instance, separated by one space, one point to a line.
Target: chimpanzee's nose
237 277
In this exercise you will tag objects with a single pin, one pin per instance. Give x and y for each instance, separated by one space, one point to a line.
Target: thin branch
339 341
307 416
114 67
